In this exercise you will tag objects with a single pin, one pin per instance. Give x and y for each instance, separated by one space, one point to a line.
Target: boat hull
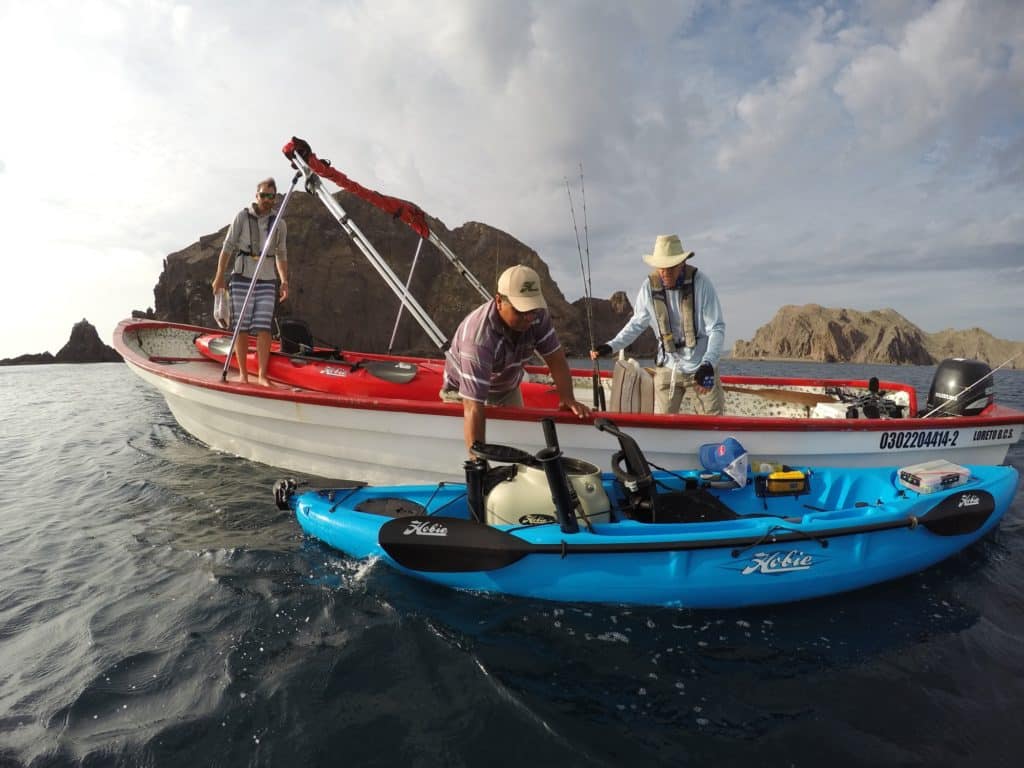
383 439
856 528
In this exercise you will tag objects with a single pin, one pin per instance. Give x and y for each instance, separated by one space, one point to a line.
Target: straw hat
668 252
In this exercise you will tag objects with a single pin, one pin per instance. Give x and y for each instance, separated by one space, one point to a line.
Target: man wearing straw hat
680 305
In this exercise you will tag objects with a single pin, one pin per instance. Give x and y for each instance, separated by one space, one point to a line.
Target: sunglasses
267 195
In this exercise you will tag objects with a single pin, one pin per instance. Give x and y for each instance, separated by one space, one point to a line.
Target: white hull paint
406 441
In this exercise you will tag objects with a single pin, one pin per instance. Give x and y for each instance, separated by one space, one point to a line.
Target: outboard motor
960 388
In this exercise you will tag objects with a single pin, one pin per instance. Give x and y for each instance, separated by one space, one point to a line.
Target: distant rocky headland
822 334
84 346
345 302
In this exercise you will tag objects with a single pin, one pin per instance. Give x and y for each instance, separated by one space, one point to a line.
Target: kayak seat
296 339
295 336
692 505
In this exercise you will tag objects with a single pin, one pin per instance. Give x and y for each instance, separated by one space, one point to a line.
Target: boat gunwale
993 415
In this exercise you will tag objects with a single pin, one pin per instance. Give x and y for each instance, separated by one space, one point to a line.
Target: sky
849 154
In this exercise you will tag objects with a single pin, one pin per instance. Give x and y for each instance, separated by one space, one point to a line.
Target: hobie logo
779 562
529 287
424 528
969 500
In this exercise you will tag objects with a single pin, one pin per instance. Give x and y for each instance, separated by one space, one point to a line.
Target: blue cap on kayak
727 456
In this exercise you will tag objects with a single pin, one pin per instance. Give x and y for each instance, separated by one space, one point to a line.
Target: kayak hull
854 528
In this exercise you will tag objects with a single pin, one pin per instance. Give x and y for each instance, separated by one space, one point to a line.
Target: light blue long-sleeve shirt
708 319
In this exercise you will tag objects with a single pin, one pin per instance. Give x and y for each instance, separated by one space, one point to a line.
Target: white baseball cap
522 286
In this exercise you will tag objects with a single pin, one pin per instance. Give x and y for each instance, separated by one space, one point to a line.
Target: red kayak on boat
355 374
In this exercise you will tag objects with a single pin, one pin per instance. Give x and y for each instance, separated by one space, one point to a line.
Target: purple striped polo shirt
486 357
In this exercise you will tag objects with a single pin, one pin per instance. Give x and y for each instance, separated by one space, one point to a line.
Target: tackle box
787 482
932 476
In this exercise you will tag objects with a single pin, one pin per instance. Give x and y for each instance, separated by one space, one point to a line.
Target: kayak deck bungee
662 538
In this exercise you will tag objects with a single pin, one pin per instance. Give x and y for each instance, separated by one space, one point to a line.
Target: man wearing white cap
680 305
484 364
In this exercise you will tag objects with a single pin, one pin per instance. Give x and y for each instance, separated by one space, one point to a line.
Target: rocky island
822 334
84 346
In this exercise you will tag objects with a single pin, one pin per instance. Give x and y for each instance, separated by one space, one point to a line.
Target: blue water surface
157 609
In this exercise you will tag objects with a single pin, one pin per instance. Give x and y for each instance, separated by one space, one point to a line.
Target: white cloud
820 137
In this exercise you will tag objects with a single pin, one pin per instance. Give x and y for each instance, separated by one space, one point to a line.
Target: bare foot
240 380
264 382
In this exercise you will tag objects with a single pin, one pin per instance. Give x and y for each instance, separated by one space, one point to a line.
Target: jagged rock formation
343 299
84 346
977 344
823 334
346 303
609 316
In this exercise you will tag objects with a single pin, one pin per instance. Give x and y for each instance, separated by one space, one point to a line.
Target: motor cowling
960 388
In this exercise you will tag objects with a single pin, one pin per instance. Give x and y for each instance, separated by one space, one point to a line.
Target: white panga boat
779 420
340 431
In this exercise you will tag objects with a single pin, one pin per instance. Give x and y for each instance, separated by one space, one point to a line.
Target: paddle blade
449 545
960 513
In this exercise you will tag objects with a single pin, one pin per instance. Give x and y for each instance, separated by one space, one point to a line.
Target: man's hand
704 376
601 350
581 411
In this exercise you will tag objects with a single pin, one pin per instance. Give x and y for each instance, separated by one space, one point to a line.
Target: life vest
666 338
254 240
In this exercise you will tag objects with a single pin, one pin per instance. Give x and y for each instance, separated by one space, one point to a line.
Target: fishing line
599 402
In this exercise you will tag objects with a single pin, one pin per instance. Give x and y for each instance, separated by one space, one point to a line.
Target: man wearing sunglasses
244 243
484 364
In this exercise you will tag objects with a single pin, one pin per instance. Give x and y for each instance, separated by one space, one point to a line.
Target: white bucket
526 498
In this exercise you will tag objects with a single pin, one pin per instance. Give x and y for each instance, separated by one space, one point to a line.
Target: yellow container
794 481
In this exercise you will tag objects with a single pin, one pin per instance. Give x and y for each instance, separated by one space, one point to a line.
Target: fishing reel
873 405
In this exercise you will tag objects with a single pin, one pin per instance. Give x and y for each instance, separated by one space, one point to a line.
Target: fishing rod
401 305
972 386
590 297
596 376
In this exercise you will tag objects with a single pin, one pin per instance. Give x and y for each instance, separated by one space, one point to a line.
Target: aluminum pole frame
252 283
314 185
460 267
408 282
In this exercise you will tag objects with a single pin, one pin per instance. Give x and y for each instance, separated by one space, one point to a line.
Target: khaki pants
670 385
511 399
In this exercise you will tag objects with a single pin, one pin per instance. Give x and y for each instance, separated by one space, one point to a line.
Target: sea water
157 609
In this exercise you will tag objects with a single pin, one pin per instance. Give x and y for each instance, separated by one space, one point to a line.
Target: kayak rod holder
476 470
551 459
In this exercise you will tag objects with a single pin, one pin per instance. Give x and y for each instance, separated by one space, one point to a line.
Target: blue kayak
551 527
